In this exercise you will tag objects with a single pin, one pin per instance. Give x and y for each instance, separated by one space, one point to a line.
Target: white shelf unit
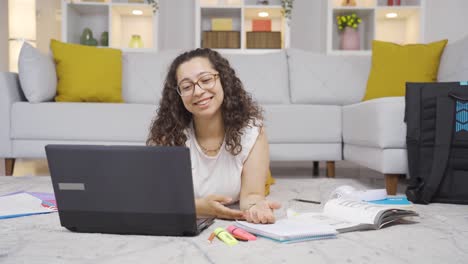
406 28
242 13
113 16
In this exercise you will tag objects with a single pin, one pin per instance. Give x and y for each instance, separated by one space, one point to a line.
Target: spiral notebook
288 231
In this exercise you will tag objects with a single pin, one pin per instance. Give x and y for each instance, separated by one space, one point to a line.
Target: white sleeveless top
220 174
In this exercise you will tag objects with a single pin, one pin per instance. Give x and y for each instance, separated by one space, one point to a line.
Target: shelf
125 24
220 3
359 4
81 16
243 16
258 3
402 3
400 30
95 2
115 17
405 28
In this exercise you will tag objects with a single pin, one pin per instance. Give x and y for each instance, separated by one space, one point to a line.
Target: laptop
125 189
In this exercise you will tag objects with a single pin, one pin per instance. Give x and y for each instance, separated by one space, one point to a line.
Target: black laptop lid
123 189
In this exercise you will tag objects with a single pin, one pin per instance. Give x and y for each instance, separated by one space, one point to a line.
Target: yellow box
221 24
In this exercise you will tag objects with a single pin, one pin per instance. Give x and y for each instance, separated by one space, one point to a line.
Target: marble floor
438 235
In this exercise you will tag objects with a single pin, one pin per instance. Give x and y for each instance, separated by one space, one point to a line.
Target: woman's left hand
261 212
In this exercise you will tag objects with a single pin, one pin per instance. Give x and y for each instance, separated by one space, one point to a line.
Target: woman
205 107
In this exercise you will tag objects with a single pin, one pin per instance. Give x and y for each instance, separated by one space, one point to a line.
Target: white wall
308 25
48 24
3 36
176 30
446 19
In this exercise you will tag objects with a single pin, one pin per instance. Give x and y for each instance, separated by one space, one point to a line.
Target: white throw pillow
37 74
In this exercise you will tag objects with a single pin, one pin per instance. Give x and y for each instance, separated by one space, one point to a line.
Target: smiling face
203 102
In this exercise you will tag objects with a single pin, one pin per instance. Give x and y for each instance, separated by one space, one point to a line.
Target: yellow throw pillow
87 74
393 65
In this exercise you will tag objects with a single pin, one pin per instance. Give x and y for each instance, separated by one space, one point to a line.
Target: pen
212 236
306 201
224 236
240 233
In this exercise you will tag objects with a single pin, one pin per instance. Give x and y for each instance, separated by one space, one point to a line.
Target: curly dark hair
238 108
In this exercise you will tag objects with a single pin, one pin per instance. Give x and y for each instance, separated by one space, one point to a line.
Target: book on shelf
346 215
221 24
264 40
221 39
287 231
261 25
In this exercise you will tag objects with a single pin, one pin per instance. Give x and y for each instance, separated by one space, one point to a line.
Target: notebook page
354 211
286 229
21 203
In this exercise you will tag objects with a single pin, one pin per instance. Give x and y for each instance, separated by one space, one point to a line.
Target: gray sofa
312 106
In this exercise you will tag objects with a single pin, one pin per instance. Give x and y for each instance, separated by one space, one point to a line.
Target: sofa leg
315 171
391 183
9 166
331 169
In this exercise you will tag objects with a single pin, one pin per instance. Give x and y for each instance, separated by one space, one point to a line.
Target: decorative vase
87 38
136 42
350 39
105 39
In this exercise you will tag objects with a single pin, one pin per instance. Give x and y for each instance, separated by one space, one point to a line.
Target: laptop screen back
123 189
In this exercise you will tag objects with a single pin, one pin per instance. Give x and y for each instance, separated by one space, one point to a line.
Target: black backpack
436 115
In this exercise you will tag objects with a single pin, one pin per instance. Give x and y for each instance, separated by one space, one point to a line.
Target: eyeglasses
206 82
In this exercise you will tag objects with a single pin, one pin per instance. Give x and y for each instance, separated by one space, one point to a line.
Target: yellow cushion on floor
270 181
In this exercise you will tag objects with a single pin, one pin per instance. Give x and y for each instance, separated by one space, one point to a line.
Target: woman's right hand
213 205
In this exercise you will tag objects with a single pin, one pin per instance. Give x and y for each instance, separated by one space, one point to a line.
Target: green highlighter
224 236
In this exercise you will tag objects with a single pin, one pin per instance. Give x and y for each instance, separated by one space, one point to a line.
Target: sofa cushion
454 62
265 76
303 123
144 75
327 79
375 123
81 121
87 74
393 65
36 74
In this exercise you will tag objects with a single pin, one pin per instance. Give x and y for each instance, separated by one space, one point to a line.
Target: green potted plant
348 26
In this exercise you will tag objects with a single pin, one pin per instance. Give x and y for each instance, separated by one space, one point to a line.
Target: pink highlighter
240 233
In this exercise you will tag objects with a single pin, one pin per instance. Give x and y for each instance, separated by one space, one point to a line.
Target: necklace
211 150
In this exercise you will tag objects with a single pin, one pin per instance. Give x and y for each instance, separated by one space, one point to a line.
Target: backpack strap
445 116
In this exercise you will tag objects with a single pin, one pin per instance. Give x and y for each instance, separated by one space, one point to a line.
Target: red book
261 25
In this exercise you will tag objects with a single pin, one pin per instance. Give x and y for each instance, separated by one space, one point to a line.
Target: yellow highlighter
224 236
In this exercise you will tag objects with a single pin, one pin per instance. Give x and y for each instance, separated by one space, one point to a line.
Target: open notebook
346 215
287 231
